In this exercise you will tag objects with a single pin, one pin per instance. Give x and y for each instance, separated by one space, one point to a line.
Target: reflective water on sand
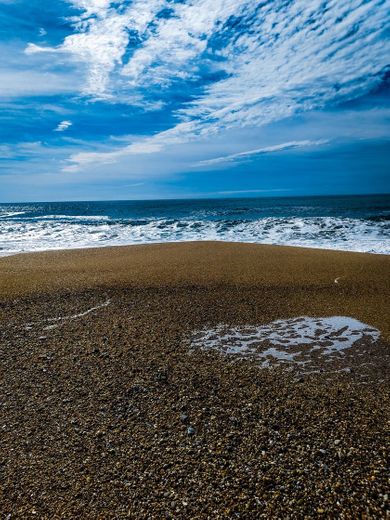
295 340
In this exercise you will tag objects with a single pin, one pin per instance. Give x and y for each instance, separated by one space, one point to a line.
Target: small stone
337 442
191 430
183 418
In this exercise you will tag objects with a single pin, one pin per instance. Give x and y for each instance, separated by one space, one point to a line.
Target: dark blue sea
355 223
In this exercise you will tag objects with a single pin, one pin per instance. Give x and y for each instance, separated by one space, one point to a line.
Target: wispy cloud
17 84
81 159
292 59
64 125
180 39
247 192
6 152
261 151
259 63
271 48
21 150
102 37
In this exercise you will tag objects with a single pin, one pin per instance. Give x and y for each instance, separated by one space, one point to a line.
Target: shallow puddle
295 341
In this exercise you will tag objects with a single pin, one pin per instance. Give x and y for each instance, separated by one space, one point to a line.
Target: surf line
70 317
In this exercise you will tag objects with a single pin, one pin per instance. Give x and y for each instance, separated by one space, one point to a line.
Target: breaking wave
19 233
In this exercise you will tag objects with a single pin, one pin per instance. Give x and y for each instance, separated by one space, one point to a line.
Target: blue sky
127 99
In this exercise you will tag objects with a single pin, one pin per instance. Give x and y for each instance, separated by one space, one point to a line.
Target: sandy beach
109 411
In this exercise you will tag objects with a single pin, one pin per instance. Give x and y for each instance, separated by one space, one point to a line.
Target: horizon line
199 198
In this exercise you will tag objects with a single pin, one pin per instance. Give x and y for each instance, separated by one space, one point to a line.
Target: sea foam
61 232
293 340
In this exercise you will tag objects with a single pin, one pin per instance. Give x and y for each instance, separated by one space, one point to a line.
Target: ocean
353 223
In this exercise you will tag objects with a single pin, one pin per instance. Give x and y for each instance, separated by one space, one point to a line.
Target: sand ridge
362 291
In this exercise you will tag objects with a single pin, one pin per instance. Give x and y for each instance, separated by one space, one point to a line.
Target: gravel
112 417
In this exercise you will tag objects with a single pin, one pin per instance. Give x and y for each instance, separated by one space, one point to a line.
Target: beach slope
108 410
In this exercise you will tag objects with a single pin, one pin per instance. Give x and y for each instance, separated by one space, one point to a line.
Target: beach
111 407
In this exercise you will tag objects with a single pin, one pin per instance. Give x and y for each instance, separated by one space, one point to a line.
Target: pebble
152 429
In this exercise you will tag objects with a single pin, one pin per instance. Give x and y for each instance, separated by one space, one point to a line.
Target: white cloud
81 159
92 7
180 39
151 145
14 83
32 48
102 37
64 125
169 45
261 151
279 59
296 58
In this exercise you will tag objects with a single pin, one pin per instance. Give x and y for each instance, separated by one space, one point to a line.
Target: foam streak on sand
80 315
291 340
71 317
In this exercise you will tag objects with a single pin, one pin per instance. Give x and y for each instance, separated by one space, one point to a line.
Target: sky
139 99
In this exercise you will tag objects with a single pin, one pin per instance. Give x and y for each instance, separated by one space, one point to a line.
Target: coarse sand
106 412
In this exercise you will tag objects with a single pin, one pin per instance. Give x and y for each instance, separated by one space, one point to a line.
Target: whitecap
63 232
10 214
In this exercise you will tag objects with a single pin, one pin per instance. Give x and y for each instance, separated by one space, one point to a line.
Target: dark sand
109 415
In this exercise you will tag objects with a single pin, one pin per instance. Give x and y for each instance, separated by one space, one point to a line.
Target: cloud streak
64 125
248 192
261 151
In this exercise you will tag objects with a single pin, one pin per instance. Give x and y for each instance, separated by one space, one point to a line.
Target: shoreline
114 246
190 242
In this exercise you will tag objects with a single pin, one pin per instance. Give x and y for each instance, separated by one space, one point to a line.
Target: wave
379 218
63 218
65 232
10 214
